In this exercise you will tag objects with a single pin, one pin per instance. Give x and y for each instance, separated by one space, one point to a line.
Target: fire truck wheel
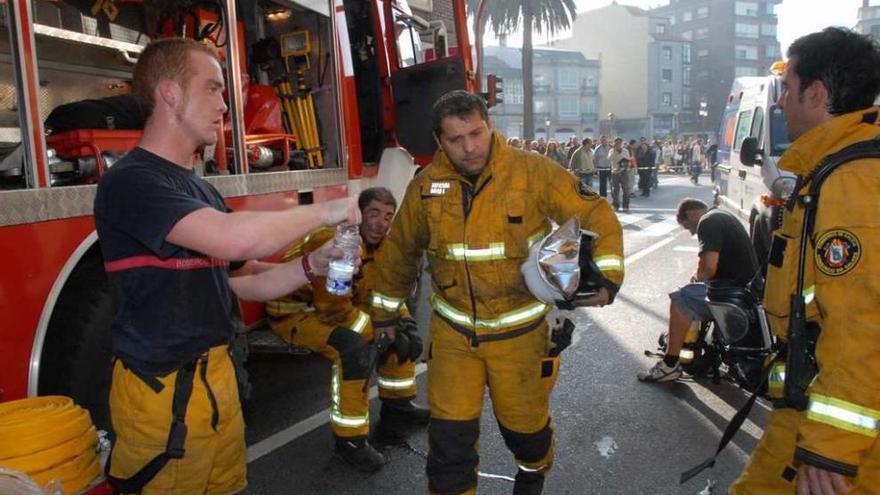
76 359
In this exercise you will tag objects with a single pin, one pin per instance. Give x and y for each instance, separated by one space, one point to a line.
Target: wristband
307 269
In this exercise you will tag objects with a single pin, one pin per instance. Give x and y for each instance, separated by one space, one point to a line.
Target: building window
568 79
687 16
749 9
702 33
686 76
667 75
768 30
746 52
745 71
686 98
513 91
541 106
875 32
660 29
702 53
744 30
590 107
672 20
688 35
591 82
770 8
771 51
702 12
568 107
667 53
686 53
667 99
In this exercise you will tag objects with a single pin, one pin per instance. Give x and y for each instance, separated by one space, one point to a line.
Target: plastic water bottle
341 270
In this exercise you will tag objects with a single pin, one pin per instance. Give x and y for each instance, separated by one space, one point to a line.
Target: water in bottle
341 270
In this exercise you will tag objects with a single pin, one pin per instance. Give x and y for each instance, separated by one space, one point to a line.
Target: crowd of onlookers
621 166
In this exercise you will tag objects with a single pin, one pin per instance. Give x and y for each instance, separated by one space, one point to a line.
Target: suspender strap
174 447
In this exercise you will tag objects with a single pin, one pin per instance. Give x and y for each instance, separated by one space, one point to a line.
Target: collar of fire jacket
807 152
442 167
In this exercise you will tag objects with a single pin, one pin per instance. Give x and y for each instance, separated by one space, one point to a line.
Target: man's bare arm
247 235
707 266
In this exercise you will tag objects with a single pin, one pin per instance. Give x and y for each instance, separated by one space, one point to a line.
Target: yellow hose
49 438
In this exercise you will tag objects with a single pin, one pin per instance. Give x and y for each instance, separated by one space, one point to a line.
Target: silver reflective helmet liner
558 258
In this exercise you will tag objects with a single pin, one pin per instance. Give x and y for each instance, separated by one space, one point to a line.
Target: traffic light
494 86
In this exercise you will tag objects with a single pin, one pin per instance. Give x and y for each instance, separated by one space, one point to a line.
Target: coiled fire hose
49 438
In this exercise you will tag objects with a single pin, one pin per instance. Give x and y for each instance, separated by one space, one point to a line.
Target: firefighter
830 83
338 328
170 244
474 211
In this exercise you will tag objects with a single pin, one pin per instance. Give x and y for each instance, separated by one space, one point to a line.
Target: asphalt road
614 435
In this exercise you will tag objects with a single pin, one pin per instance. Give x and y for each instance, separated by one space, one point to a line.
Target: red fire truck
325 98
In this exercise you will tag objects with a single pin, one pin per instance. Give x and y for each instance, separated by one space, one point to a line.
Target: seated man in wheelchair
725 257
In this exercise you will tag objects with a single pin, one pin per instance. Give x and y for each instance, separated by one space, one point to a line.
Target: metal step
262 340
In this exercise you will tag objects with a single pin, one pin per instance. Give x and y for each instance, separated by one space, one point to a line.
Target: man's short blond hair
164 59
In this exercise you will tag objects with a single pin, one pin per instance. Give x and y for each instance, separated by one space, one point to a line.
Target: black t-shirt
172 303
722 232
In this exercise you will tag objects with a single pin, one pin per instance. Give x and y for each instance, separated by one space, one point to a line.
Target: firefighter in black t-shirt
170 245
725 254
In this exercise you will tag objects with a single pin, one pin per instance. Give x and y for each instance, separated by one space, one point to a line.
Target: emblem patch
837 252
439 188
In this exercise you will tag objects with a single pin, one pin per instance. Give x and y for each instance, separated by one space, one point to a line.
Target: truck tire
76 359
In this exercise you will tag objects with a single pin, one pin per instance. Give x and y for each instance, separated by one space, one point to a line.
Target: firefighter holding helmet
475 211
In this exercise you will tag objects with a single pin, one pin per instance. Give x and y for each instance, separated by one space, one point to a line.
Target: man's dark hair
380 194
458 103
847 63
689 204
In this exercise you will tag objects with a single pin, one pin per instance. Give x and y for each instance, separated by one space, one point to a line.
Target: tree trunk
528 80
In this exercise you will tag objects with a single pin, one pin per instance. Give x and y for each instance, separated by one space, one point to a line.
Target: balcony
542 88
589 116
589 90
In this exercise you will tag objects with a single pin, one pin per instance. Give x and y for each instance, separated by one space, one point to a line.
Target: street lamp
611 124
547 129
675 121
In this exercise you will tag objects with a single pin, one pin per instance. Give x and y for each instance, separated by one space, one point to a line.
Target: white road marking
648 250
283 437
687 249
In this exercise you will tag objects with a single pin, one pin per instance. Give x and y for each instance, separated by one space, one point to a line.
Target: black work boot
528 483
397 418
358 453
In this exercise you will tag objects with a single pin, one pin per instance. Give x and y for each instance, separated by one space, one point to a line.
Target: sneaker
661 373
359 454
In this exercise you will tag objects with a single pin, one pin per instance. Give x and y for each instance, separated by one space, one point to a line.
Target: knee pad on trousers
528 447
452 458
354 353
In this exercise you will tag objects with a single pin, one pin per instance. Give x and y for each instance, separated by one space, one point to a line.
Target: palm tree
507 16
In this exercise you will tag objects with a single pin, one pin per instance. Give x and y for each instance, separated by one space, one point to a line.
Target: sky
796 17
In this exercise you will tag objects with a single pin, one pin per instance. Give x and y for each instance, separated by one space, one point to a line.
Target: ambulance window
743 126
758 126
779 141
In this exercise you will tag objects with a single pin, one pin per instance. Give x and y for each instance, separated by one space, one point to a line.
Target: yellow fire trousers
214 462
346 348
520 377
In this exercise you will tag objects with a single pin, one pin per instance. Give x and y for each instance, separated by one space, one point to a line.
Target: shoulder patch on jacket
837 252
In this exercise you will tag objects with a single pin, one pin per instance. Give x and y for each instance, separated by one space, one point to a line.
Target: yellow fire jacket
841 289
477 236
332 311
